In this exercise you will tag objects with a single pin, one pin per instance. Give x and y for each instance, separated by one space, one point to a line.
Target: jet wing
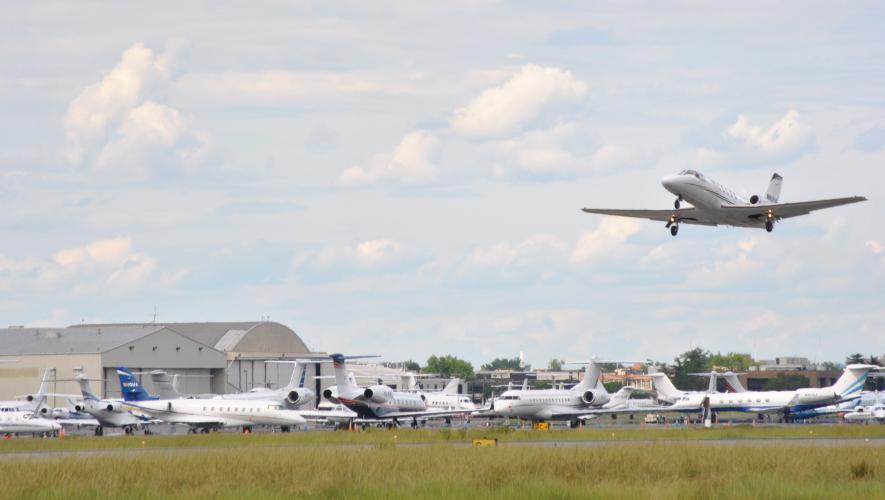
424 414
688 215
787 210
644 409
78 422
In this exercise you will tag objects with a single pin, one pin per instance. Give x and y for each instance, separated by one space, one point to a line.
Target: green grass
504 434
656 470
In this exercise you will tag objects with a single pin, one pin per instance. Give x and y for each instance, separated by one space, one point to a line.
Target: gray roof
220 335
77 339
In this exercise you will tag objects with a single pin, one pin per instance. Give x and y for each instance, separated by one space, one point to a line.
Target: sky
406 178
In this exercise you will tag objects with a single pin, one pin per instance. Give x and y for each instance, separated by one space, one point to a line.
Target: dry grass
663 470
380 437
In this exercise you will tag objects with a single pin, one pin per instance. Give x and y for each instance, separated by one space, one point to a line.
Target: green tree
696 360
503 364
612 387
555 365
735 361
829 365
854 359
411 366
785 382
449 366
874 360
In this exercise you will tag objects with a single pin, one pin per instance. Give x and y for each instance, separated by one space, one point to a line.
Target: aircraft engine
114 407
328 394
30 397
301 396
594 397
79 407
378 393
44 411
754 199
815 396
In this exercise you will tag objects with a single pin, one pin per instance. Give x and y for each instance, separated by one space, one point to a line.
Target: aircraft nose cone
668 181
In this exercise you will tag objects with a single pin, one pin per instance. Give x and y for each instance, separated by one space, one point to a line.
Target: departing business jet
713 204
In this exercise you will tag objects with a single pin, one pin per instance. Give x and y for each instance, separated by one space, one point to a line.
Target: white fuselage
449 401
539 404
13 421
875 413
218 412
707 195
391 402
759 401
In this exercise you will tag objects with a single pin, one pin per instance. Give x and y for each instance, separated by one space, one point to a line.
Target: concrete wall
24 376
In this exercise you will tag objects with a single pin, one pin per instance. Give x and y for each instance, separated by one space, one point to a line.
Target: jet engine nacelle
815 396
594 397
301 396
79 408
30 397
378 393
114 406
754 199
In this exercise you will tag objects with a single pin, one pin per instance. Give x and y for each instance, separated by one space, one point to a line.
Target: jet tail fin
774 189
131 387
86 388
852 381
452 386
663 386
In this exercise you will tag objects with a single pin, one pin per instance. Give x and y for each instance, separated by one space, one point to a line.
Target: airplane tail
663 386
343 382
853 378
86 388
591 377
452 386
166 387
48 376
774 189
622 395
732 384
131 388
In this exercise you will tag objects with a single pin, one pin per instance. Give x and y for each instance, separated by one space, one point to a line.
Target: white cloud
510 107
784 140
607 240
412 162
874 246
110 265
335 262
116 125
537 256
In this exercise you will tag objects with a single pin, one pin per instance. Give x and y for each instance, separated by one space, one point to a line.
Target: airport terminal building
212 357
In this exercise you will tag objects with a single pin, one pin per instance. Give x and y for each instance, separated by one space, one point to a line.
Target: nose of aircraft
669 182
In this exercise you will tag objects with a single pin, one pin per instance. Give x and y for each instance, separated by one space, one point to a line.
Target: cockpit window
692 172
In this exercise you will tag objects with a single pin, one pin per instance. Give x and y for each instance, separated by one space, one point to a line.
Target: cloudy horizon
407 180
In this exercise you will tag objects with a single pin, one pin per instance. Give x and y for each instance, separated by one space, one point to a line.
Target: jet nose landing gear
677 202
674 229
769 226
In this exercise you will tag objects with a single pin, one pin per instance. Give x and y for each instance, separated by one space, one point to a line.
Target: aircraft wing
78 422
424 414
684 215
590 413
787 210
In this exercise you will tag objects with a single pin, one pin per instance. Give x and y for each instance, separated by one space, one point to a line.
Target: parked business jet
555 404
294 395
380 402
448 398
713 204
206 414
14 421
108 412
668 393
866 414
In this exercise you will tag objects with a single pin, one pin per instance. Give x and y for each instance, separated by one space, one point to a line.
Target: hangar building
210 357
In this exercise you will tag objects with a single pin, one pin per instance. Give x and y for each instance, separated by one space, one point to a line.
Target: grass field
662 470
321 464
504 434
